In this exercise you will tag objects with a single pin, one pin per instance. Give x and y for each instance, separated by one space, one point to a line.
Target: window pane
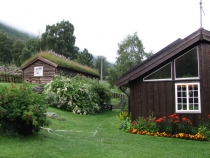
184 107
187 65
180 107
162 73
187 98
38 71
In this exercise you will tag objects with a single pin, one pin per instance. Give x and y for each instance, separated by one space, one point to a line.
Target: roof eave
38 58
142 68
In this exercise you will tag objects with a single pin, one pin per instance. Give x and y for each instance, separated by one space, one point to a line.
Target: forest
16 47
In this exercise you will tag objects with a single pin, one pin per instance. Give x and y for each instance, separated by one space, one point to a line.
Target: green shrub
147 124
204 127
173 125
104 95
80 95
123 104
21 110
124 121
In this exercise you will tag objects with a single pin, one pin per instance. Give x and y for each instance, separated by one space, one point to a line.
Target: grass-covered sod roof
61 61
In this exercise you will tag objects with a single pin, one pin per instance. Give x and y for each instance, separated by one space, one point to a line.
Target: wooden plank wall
48 71
152 97
205 79
159 97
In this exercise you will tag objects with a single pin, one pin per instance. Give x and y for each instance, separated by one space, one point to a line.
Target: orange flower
183 119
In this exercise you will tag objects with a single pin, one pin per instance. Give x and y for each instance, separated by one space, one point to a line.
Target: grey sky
101 24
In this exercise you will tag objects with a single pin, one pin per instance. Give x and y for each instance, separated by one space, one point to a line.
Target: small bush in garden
204 127
123 104
169 125
104 95
80 95
147 124
21 110
185 126
124 121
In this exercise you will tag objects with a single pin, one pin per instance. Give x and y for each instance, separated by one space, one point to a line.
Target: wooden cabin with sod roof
42 67
174 80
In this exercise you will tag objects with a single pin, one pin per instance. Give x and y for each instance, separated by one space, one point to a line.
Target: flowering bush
79 94
171 126
147 124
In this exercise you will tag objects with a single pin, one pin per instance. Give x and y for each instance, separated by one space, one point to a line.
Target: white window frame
165 79
187 98
38 71
187 78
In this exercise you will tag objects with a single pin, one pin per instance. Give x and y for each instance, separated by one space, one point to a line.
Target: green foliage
14 34
130 53
147 124
21 110
204 127
172 125
60 39
79 94
105 66
17 49
124 121
33 45
104 95
5 49
123 104
26 54
85 58
16 46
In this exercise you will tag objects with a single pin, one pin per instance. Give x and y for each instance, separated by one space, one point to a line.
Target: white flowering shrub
79 94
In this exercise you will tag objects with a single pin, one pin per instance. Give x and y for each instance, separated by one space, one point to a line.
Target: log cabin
42 67
176 79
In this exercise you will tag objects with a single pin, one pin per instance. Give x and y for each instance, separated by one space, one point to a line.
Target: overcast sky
101 24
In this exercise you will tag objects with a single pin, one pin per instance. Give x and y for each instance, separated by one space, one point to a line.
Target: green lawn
96 136
7 84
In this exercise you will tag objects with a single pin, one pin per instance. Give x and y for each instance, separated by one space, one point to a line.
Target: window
164 73
186 66
187 97
38 71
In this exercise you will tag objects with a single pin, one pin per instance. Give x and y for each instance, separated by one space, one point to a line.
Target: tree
60 39
5 49
130 53
17 49
33 45
25 54
101 61
85 58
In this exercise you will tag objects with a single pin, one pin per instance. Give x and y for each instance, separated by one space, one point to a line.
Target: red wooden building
174 80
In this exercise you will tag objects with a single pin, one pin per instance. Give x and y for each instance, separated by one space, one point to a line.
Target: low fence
118 95
11 78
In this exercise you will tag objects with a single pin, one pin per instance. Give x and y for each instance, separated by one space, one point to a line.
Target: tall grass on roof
61 61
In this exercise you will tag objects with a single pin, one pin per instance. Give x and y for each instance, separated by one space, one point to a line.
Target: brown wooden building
43 67
174 80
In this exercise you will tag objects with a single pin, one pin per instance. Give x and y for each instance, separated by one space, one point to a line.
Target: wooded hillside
14 34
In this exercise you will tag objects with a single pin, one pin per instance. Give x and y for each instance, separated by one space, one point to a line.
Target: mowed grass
96 136
6 84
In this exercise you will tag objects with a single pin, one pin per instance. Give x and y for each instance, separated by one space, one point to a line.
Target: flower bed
197 136
170 126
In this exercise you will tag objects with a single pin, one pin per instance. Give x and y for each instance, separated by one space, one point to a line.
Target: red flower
133 123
